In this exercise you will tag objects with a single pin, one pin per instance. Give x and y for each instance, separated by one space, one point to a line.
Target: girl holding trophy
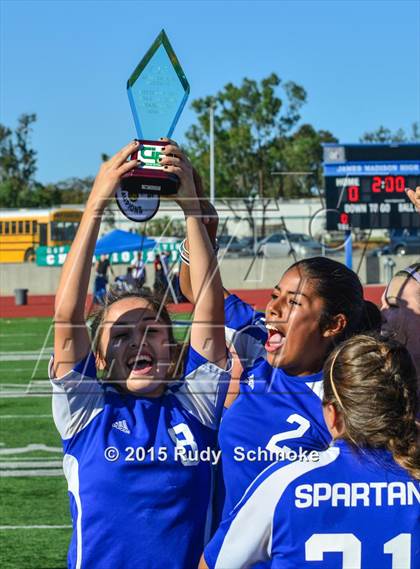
133 436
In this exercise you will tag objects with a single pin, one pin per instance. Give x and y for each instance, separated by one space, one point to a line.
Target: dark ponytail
342 292
372 383
371 320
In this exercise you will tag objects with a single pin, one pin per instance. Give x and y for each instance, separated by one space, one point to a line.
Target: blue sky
69 62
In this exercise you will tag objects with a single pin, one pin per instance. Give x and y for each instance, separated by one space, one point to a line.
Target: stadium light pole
211 136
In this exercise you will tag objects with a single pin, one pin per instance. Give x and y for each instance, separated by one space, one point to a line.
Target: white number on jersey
345 543
351 548
400 549
304 425
186 447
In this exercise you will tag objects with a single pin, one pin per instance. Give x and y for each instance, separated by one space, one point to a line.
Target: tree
249 120
255 133
302 161
74 190
18 164
385 135
18 187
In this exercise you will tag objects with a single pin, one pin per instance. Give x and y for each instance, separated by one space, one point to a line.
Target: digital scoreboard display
365 185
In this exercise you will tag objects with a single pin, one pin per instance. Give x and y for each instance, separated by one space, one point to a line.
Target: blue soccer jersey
350 510
273 411
139 469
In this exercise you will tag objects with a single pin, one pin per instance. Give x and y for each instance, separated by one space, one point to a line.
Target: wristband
185 254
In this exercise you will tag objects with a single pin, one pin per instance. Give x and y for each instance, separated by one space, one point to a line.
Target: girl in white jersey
358 504
138 445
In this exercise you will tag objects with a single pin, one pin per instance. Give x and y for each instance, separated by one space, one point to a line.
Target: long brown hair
372 383
156 302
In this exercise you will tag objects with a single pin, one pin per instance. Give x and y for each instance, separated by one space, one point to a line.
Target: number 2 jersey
139 470
350 509
273 412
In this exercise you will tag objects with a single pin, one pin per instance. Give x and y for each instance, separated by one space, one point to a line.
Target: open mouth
141 364
275 340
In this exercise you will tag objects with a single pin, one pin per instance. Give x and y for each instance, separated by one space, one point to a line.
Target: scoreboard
365 183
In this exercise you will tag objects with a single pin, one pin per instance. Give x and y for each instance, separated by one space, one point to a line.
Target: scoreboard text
365 186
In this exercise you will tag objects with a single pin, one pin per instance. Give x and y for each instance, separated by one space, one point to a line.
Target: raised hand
176 162
110 172
414 197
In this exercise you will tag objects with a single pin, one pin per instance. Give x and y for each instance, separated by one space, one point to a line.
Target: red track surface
44 305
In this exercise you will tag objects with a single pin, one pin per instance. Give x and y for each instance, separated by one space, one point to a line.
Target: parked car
283 244
235 246
405 242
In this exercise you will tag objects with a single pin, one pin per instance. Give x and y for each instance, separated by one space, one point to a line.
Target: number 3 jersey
139 470
273 412
350 509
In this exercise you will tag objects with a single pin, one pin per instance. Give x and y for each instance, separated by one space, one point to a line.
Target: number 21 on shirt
351 547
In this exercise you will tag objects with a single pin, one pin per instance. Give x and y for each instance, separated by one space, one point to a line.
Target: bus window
43 237
6 228
63 230
20 227
13 231
1 227
27 226
34 227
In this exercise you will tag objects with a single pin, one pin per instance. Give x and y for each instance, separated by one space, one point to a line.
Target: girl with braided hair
358 505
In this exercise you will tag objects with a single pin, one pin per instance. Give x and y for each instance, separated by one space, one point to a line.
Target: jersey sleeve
245 330
203 389
246 536
78 397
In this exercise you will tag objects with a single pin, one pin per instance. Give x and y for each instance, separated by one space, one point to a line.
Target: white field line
38 388
23 356
34 353
30 448
2 335
14 369
11 467
34 527
32 385
34 463
12 459
25 416
31 473
16 395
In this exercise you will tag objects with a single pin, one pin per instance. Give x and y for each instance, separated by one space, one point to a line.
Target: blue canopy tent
118 240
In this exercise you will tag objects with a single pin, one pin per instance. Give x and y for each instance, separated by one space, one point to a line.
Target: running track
39 306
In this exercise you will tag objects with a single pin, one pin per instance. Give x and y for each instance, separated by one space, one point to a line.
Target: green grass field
34 514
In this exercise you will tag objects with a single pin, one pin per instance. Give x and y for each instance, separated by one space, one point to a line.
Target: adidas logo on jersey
121 426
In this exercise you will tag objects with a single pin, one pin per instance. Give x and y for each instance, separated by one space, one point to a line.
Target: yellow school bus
23 230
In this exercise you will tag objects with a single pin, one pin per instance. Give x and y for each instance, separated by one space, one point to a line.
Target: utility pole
212 188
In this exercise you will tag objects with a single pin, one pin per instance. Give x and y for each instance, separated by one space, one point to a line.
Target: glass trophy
157 91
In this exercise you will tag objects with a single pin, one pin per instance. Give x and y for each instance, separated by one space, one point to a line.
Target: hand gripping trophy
157 91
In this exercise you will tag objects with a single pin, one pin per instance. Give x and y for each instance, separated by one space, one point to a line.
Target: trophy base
142 180
140 207
139 195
